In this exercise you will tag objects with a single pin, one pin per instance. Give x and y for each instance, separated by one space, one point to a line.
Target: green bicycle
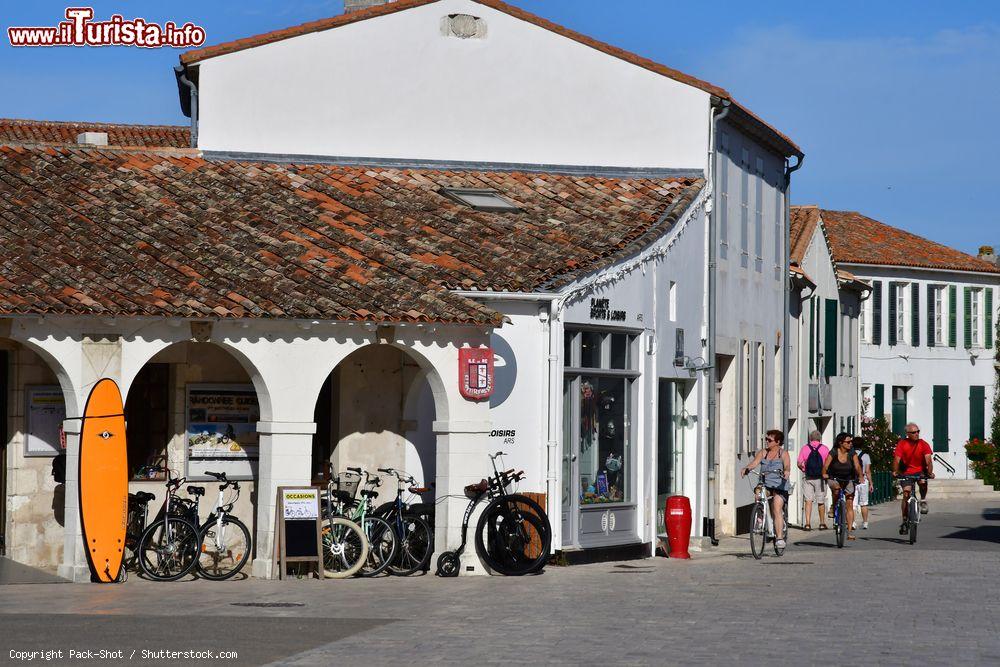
382 542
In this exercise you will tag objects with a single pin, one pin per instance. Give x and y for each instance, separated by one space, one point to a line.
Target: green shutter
952 316
877 313
915 314
830 343
940 418
812 339
968 317
931 313
977 412
988 300
892 313
880 401
898 414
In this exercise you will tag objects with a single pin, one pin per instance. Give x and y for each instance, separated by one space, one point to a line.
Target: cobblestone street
935 601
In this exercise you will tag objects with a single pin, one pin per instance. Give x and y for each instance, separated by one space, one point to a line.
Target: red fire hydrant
678 520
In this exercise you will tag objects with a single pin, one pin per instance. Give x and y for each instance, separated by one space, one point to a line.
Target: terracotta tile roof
796 271
14 130
857 239
803 221
197 55
158 233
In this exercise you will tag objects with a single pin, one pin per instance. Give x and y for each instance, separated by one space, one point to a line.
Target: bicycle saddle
143 497
196 490
368 494
473 490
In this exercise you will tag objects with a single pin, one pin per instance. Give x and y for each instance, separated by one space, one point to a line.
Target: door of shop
669 446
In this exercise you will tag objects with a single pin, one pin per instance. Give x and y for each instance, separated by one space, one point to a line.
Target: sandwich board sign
299 528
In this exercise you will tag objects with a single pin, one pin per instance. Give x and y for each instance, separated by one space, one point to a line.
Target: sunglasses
912 432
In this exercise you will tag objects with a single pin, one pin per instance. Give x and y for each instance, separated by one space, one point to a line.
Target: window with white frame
976 310
902 312
940 294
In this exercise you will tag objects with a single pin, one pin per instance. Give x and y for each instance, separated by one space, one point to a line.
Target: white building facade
927 333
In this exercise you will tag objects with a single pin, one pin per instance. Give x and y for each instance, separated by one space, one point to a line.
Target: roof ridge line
30 121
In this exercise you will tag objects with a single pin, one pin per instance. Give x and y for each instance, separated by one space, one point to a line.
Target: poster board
221 430
299 529
45 410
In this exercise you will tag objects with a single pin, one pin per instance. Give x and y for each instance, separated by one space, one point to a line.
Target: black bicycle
168 548
912 519
513 534
840 512
414 536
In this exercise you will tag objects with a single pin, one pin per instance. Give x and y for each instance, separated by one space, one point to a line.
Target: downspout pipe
710 314
786 320
181 73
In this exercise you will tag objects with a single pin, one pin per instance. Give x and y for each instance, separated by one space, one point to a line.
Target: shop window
619 350
605 465
147 418
568 339
590 349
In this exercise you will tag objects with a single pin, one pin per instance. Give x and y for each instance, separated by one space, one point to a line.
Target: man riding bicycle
913 457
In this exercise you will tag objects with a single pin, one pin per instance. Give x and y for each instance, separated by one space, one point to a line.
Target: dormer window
481 199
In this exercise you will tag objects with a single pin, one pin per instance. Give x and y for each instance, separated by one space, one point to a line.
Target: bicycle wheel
841 522
913 510
778 551
382 546
513 536
224 551
168 551
758 530
416 545
345 547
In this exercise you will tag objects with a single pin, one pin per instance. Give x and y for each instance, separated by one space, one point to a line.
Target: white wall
394 87
923 367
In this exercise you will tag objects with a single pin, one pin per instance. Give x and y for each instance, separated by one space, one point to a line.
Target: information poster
222 430
300 504
45 412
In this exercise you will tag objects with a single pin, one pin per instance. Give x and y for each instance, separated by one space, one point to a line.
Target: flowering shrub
984 457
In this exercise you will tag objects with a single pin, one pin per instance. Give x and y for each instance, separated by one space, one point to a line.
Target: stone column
462 449
285 460
74 566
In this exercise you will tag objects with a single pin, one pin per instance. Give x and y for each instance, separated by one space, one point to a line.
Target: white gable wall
394 87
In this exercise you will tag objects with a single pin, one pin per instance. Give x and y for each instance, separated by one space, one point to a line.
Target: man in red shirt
913 456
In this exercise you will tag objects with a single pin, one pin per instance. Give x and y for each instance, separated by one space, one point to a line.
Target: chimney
986 253
92 138
358 5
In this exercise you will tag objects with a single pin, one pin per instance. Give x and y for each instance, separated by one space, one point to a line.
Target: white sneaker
854 526
864 526
780 544
923 507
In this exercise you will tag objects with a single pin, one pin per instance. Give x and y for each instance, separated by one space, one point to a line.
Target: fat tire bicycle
513 534
762 523
345 545
168 548
415 536
912 519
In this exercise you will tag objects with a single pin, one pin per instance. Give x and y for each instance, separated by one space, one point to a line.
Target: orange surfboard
104 480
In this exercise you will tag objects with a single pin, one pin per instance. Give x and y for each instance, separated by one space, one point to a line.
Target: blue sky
893 102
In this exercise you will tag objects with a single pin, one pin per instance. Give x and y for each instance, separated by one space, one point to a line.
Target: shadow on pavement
814 544
894 540
980 534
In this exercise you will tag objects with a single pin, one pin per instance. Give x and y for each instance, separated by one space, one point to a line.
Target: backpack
814 464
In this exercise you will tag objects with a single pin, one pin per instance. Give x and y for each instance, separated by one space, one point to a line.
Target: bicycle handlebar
357 470
388 471
493 457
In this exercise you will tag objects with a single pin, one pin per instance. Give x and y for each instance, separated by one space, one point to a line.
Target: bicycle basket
346 483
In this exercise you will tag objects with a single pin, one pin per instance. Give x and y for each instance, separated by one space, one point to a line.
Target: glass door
569 505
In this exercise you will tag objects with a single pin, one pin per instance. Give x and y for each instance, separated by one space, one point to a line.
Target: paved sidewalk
721 607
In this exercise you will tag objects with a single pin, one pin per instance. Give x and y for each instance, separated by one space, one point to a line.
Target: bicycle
415 537
761 522
912 519
224 541
382 542
168 547
345 546
840 512
510 540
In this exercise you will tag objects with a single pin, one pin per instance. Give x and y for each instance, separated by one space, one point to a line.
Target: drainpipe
786 320
710 431
181 73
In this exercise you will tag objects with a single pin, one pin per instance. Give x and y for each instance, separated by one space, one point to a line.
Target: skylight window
481 199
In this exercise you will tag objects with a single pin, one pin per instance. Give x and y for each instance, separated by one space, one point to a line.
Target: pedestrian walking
810 462
864 487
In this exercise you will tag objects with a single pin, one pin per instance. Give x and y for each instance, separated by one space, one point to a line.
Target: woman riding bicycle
841 469
775 466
